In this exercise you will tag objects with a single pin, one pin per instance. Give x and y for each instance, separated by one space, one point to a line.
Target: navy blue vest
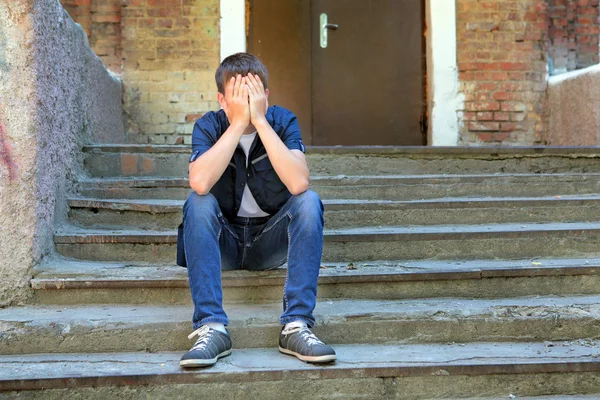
264 183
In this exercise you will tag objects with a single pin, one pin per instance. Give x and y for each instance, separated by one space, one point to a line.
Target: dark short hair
240 63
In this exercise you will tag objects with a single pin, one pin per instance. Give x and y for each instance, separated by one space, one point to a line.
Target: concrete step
506 241
553 397
376 187
69 282
122 328
157 160
439 371
167 214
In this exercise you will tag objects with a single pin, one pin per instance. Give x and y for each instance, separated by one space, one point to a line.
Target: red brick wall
170 54
573 34
101 21
166 52
105 36
501 50
81 12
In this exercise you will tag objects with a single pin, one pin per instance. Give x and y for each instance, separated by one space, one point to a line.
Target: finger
253 84
245 95
236 88
244 84
251 87
229 88
260 84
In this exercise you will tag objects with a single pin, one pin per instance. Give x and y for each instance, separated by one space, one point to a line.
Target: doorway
364 85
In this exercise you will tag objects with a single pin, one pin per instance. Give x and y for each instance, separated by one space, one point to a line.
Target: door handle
324 27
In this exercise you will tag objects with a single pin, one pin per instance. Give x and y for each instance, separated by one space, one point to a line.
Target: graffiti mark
5 155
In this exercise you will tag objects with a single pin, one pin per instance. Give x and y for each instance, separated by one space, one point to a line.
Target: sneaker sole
198 362
310 359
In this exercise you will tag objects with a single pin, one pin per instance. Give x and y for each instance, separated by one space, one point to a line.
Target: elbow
299 187
199 186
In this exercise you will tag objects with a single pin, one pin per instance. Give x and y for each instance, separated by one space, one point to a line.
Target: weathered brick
193 117
501 96
484 126
482 106
485 116
173 53
501 58
164 12
493 137
129 163
98 18
501 116
132 3
165 23
163 3
508 126
468 116
514 106
514 66
573 27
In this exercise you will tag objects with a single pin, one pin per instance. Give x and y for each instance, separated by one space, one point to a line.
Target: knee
308 202
200 206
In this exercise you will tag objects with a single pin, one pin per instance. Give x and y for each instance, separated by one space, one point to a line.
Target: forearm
208 168
291 168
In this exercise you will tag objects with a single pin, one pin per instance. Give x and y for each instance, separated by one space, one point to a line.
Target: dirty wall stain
5 155
6 158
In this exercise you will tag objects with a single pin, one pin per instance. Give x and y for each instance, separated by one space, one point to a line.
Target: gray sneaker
302 343
210 346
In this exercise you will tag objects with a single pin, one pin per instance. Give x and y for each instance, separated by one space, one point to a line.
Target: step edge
455 203
170 237
58 283
274 374
384 150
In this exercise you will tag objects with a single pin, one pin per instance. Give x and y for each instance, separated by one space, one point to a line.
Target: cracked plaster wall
55 95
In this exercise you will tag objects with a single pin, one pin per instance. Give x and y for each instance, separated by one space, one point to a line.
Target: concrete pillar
442 73
55 95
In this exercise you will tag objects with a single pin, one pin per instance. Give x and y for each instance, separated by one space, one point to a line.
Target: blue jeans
213 243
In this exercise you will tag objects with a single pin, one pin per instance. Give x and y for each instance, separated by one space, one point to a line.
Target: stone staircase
447 273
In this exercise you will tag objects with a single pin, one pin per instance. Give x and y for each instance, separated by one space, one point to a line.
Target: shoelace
306 334
310 338
204 336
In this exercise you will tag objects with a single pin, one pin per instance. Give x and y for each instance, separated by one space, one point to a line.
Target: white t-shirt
249 208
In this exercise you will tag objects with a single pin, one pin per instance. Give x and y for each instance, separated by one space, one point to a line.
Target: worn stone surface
108 328
144 160
416 359
55 95
565 397
384 187
406 388
166 214
573 108
361 372
508 241
67 282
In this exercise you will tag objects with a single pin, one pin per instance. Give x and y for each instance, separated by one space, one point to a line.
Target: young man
250 209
